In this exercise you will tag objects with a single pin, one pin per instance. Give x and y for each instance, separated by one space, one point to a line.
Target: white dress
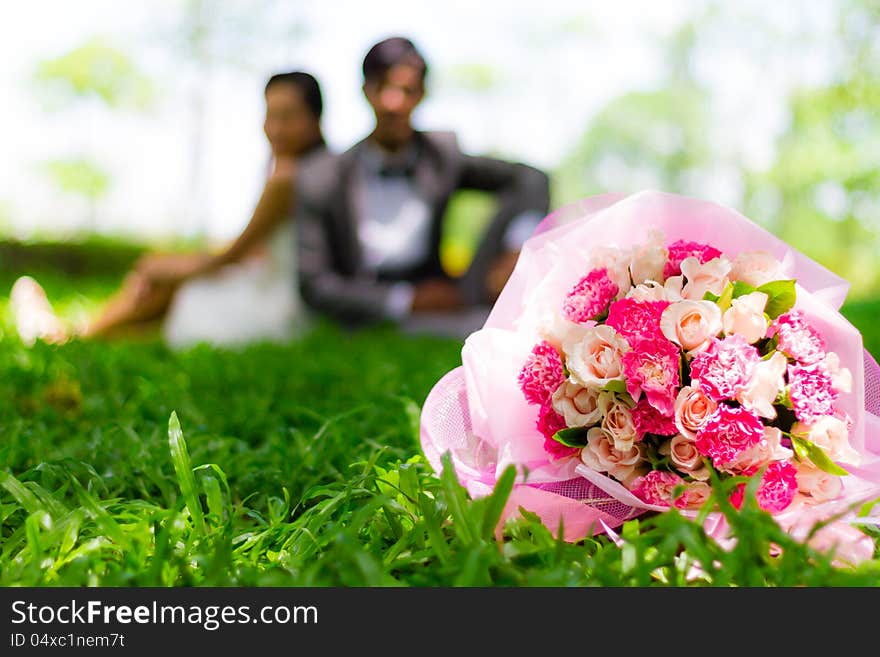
256 299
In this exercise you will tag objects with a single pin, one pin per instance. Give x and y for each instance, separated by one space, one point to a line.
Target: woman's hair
391 52
308 86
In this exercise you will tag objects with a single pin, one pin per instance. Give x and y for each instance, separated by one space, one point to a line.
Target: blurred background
143 121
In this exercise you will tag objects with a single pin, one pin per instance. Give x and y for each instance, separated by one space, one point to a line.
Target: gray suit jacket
333 278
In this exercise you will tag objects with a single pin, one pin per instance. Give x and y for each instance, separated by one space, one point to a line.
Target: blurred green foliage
94 69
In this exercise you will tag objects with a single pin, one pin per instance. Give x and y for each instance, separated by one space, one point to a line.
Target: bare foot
33 314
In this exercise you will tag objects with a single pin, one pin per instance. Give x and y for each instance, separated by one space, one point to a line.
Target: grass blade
185 477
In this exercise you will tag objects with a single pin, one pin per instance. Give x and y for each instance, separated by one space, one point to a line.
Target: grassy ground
294 465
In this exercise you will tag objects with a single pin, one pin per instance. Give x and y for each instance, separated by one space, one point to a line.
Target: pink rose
596 359
685 456
617 420
659 487
746 317
541 374
651 367
691 324
768 380
702 278
590 296
728 432
549 422
778 486
668 489
756 268
577 404
692 409
600 455
725 367
681 249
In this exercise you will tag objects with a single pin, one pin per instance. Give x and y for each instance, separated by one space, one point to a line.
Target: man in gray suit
370 220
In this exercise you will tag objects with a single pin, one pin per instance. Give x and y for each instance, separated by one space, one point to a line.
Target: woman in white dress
243 293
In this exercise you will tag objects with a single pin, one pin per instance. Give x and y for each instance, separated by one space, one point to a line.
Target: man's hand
437 294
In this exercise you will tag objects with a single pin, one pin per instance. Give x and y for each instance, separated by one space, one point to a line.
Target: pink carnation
549 422
727 433
542 374
725 368
657 487
777 488
648 419
590 297
651 366
636 320
681 249
797 338
811 390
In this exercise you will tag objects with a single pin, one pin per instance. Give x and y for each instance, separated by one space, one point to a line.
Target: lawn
127 464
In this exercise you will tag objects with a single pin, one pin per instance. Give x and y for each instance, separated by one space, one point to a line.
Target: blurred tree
822 192
97 70
92 72
83 178
645 139
209 36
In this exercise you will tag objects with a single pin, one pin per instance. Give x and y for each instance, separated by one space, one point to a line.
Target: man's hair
308 86
392 52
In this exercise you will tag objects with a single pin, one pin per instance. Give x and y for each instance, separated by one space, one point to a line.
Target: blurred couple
352 236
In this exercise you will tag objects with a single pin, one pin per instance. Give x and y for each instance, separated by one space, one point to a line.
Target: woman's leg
137 305
133 308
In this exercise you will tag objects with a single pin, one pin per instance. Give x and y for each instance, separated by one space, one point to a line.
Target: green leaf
741 289
615 385
781 296
725 298
572 437
805 449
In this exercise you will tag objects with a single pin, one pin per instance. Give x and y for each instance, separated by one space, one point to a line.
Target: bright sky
557 63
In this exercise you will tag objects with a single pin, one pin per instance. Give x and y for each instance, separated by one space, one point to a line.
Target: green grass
129 464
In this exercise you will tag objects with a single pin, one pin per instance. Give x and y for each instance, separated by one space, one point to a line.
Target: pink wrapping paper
478 414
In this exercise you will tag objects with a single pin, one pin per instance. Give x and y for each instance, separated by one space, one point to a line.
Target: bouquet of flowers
644 343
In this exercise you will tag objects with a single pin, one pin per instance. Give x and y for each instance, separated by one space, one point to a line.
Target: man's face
393 99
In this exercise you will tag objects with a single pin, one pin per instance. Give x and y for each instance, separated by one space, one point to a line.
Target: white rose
756 268
831 434
597 357
841 377
691 324
653 291
683 453
577 404
617 420
710 276
746 317
616 263
600 455
649 259
821 486
768 380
